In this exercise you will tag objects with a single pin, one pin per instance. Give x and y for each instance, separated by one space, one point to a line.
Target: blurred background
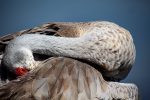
134 15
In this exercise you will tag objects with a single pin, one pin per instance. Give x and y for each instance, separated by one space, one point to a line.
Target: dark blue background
134 15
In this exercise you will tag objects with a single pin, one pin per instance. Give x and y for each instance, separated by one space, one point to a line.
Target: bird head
20 71
11 72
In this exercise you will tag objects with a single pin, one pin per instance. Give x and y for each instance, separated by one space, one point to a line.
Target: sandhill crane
65 78
103 43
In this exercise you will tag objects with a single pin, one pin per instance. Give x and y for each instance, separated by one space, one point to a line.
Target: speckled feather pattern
104 43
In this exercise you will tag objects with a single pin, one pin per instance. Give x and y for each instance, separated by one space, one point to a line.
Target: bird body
61 78
103 43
